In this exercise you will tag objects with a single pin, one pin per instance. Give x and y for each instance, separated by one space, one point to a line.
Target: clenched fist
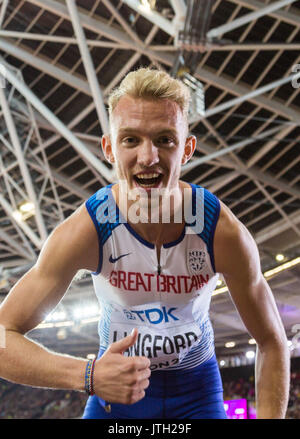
120 379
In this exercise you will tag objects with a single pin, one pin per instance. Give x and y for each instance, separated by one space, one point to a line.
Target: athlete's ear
189 148
107 148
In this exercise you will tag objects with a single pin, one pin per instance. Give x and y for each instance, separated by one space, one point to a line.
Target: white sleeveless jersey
169 304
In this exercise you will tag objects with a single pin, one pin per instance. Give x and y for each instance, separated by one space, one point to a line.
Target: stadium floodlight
252 341
250 354
85 312
56 316
24 211
148 4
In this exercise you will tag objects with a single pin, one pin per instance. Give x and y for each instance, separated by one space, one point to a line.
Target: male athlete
153 277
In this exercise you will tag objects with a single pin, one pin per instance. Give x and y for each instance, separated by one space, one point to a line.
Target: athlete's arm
33 297
70 247
237 258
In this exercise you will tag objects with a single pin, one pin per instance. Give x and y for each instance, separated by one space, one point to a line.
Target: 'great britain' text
132 281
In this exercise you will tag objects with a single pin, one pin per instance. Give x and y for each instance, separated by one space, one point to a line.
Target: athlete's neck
155 220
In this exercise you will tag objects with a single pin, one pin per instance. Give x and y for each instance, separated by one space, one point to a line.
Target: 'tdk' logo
152 315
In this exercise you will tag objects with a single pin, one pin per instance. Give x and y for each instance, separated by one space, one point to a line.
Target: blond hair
148 83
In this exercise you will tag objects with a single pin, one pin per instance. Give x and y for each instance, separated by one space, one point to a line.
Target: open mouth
148 180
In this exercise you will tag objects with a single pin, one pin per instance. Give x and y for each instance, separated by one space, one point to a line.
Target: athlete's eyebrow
161 131
168 131
127 130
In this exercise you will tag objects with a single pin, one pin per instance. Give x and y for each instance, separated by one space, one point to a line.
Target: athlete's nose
147 154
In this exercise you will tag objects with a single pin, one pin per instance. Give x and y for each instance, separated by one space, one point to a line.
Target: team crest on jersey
195 261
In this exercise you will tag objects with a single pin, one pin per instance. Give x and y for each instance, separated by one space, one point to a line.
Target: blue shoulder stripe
105 215
211 216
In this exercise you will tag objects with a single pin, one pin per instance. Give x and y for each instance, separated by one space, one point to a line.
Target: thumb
118 347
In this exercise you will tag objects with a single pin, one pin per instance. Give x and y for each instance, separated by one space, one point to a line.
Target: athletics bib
165 332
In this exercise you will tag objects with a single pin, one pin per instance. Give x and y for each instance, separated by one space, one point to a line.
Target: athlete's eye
166 141
130 140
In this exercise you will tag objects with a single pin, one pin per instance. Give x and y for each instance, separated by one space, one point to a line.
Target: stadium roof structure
58 62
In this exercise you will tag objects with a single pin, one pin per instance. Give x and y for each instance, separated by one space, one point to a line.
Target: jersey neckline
138 236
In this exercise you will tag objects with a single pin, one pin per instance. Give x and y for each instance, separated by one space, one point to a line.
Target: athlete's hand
121 379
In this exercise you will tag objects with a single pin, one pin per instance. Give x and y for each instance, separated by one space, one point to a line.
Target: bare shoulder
235 250
79 221
228 225
75 239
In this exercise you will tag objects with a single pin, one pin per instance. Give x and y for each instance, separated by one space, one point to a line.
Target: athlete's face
148 143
